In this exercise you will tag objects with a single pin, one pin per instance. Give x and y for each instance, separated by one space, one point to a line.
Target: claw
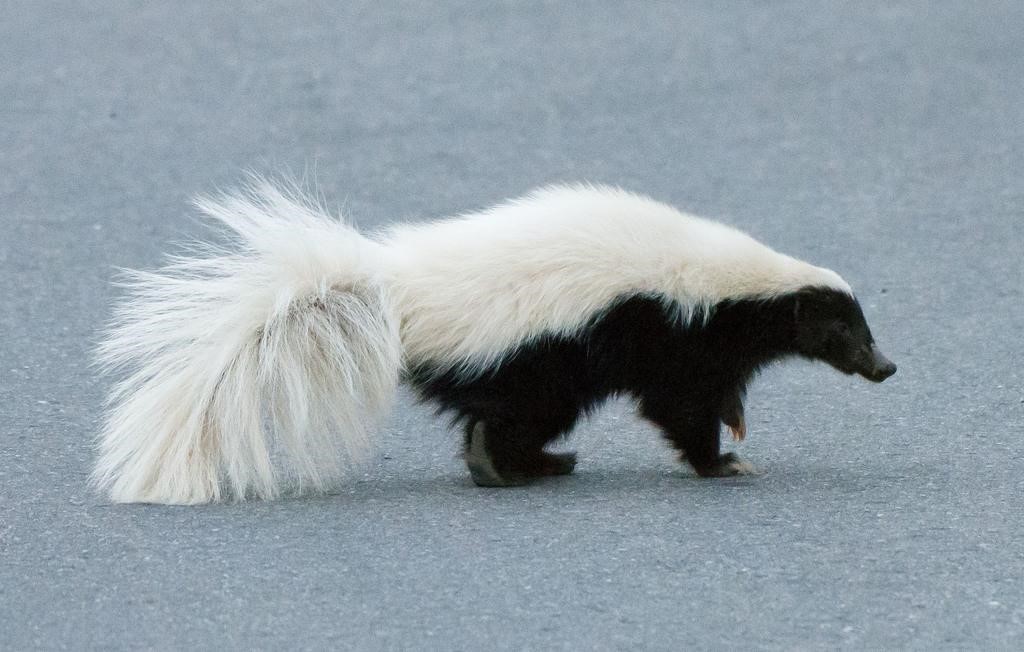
732 415
739 431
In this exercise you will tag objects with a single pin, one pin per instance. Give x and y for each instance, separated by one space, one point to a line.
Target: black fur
688 379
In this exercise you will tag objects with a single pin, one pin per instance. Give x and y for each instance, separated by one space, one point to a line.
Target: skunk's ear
808 304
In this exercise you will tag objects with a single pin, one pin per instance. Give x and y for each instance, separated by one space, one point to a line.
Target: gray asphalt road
885 140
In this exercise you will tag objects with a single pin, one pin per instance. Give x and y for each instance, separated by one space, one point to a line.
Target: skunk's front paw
726 466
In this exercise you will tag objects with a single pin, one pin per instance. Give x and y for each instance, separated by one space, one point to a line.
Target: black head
830 327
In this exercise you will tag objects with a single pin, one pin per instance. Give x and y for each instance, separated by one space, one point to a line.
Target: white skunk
268 365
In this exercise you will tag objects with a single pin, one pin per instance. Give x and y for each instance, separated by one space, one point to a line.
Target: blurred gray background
884 140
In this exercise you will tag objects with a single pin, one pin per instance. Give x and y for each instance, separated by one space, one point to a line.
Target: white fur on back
471 287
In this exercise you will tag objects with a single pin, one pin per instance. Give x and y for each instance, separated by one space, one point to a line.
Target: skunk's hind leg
498 455
483 467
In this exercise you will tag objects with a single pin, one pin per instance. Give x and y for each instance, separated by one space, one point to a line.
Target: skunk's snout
878 367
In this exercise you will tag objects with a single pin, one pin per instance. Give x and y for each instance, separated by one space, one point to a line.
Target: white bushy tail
250 369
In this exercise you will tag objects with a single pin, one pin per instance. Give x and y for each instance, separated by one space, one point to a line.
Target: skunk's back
471 288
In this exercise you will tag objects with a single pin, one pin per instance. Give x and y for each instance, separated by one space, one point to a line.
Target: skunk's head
830 327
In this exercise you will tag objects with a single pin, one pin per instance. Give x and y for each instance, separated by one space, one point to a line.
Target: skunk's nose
881 367
885 371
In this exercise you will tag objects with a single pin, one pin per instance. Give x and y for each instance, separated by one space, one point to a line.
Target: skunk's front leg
694 431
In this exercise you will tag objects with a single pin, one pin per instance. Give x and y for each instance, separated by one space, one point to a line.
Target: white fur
471 287
292 341
288 342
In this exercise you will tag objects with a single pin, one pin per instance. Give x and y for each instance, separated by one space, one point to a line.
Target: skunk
266 364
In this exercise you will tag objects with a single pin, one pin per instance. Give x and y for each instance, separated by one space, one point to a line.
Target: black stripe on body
688 378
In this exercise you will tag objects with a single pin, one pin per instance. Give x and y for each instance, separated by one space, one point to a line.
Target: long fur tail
252 368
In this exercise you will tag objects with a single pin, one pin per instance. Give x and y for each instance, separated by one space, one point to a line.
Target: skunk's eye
838 335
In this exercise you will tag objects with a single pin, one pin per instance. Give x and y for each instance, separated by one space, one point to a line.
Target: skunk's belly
636 345
639 345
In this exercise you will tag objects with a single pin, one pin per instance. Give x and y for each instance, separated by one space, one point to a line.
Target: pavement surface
884 140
